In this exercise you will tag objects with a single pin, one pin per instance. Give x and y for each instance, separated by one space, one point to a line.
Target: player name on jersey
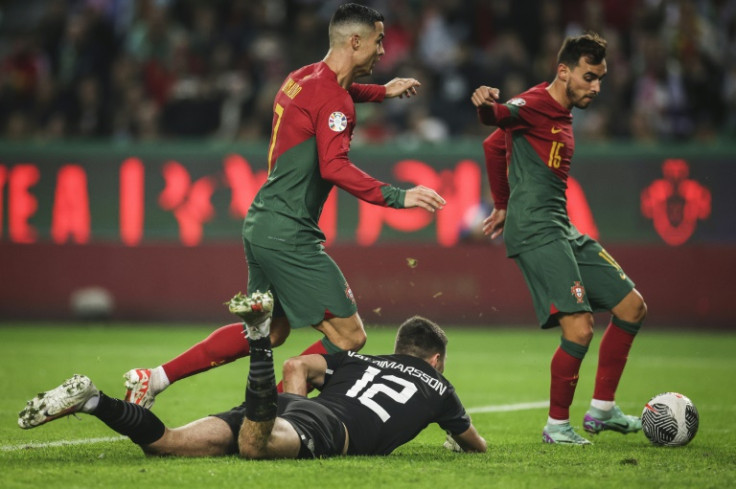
432 382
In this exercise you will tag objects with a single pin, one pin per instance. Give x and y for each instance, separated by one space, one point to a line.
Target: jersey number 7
279 110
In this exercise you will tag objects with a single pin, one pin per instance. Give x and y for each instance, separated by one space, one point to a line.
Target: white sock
557 421
602 405
91 404
159 379
256 330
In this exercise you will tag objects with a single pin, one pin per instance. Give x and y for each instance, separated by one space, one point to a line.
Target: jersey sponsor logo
578 291
518 101
338 122
556 130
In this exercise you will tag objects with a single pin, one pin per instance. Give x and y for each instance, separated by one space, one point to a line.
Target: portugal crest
349 293
578 291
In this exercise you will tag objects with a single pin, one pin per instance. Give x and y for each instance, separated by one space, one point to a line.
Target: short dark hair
589 45
354 13
421 338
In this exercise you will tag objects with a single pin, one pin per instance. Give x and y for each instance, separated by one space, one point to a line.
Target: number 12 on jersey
369 386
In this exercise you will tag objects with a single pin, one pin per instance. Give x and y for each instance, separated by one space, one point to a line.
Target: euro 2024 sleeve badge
337 121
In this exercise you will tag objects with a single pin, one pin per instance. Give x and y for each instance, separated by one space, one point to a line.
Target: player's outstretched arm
402 87
301 371
493 224
484 98
471 441
424 197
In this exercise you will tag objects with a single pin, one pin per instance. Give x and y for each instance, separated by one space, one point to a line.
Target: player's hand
424 197
485 96
493 224
451 444
402 87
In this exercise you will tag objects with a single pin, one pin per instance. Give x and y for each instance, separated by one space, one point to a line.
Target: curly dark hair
589 45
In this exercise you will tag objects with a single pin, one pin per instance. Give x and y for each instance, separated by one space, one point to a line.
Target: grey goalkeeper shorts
322 434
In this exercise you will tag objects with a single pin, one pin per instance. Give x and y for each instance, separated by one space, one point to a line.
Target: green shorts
307 284
569 276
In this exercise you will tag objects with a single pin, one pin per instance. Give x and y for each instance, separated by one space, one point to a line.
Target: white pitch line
61 443
501 408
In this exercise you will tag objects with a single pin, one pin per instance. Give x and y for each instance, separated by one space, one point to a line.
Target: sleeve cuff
393 196
382 94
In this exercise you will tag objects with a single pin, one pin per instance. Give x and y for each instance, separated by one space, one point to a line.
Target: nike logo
556 130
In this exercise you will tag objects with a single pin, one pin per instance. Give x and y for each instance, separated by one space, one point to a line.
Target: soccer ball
670 419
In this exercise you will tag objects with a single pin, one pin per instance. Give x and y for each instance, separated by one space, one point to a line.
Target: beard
579 101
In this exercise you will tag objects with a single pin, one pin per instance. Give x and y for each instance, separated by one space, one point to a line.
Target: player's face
370 50
584 83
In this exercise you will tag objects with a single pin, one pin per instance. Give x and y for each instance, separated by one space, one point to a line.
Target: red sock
314 348
224 345
612 357
565 369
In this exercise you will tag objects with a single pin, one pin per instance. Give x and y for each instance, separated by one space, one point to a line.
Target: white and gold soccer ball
670 419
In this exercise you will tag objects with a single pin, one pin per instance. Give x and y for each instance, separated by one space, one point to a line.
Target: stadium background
134 135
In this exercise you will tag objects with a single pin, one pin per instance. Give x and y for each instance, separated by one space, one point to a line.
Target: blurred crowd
135 70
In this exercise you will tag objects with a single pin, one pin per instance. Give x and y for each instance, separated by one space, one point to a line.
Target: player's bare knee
352 339
293 368
640 311
584 336
357 340
632 308
344 333
578 327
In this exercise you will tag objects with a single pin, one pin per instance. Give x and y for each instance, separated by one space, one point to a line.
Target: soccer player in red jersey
569 274
313 122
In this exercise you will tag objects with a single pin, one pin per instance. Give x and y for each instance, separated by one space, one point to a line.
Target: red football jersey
313 123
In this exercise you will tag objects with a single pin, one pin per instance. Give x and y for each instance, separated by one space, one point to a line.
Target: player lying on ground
313 123
368 405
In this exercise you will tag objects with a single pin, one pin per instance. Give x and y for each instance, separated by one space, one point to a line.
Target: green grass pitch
490 367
